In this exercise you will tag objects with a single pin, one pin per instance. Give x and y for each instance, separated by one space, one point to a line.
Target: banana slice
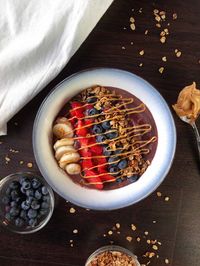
63 142
73 168
62 131
63 120
69 157
60 151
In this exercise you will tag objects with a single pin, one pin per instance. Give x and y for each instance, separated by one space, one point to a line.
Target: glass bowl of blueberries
26 202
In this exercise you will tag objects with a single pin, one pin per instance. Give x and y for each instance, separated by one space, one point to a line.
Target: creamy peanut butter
188 102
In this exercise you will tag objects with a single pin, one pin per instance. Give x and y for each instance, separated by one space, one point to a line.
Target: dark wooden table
174 223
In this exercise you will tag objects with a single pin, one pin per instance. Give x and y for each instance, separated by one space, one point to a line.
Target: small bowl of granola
104 139
112 255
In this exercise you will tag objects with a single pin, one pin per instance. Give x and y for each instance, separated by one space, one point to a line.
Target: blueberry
22 179
8 217
32 213
8 191
46 198
25 205
23 214
113 160
106 125
44 190
19 222
91 100
35 205
14 185
26 184
23 190
5 200
30 192
112 135
13 204
119 180
36 183
97 129
134 178
100 138
14 211
29 200
45 205
32 222
118 151
113 170
93 111
106 151
122 164
43 212
15 194
38 194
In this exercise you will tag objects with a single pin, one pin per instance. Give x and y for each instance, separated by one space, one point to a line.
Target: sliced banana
62 150
73 168
62 131
63 142
69 157
63 120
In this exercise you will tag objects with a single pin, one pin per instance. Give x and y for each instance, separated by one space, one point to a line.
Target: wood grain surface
175 223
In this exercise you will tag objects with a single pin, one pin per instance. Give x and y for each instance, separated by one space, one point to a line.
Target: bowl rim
5 180
113 71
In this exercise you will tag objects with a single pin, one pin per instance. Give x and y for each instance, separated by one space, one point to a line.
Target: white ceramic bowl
110 199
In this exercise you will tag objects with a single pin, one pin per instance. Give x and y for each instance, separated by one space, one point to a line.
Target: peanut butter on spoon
188 103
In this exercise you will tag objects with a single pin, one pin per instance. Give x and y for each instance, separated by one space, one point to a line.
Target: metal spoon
195 129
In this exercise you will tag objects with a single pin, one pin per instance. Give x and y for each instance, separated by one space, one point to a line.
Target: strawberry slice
86 164
107 177
77 109
94 179
96 149
80 131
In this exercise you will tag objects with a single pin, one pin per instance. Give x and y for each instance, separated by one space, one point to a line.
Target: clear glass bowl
4 183
112 248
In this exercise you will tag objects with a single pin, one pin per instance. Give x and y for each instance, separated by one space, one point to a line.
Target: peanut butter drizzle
129 133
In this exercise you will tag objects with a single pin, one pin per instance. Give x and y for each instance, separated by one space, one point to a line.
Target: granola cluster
112 258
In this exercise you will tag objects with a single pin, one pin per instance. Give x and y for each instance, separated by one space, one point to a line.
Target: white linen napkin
37 39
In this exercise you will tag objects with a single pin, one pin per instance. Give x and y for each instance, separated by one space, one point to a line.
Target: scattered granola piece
166 198
141 64
174 16
164 59
132 20
123 47
178 54
140 10
118 232
161 69
71 240
29 165
138 239
133 227
141 52
72 210
146 32
1 142
158 25
7 159
72 245
132 26
155 247
154 222
166 261
110 232
159 194
75 231
148 241
117 225
146 233
131 43
129 238
163 39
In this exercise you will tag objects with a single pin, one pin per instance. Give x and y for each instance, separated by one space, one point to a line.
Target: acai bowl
104 139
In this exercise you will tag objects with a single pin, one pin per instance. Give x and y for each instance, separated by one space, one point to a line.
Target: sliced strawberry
89 122
81 131
96 149
101 160
102 169
83 142
77 109
107 177
94 179
86 164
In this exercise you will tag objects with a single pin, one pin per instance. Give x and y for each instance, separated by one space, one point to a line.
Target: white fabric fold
37 39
